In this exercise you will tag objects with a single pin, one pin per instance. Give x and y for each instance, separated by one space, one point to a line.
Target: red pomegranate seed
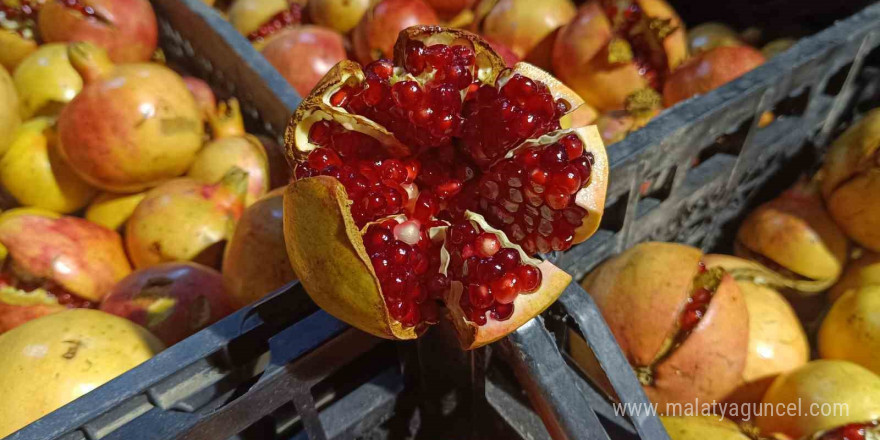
438 285
323 158
529 277
689 319
557 197
283 19
487 244
506 288
477 316
479 296
502 312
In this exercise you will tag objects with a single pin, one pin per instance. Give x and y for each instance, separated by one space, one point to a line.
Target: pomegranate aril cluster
491 276
496 120
407 264
628 17
284 19
19 19
420 115
531 196
696 306
853 431
62 295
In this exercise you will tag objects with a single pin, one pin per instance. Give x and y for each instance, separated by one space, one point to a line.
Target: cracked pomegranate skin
409 160
685 343
127 29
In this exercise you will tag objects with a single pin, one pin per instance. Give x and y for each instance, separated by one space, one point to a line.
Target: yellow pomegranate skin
528 28
14 48
46 81
34 173
702 428
132 127
851 330
851 181
113 210
821 382
9 116
862 270
54 360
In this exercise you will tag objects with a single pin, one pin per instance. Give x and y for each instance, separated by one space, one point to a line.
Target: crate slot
119 416
615 212
836 82
793 105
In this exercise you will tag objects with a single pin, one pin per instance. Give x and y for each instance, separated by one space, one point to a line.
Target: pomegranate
133 125
641 107
852 431
279 170
683 325
260 20
707 36
9 116
851 181
850 331
202 93
528 28
408 185
255 262
232 147
614 48
777 342
506 53
818 384
126 29
708 71
46 81
17 30
185 220
702 428
776 47
52 361
171 300
339 15
448 9
862 270
374 36
33 172
53 262
794 236
113 210
304 54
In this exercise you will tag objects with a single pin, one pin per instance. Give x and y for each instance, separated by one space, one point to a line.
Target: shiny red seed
573 146
690 318
477 316
557 197
398 253
529 277
381 69
381 265
701 296
322 158
438 285
407 94
502 312
479 296
505 288
394 286
393 169
508 259
377 239
487 244
320 133
568 178
340 98
461 233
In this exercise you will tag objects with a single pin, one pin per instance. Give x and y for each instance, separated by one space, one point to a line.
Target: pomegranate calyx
644 102
619 51
226 120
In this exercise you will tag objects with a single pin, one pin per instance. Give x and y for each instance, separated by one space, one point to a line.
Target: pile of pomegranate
628 59
127 179
448 173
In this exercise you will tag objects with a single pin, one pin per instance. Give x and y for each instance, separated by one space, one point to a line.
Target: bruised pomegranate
186 220
528 28
682 325
708 71
46 81
862 270
171 300
339 15
777 342
374 36
52 262
133 125
18 35
260 20
850 330
851 389
614 48
126 29
407 185
304 54
794 236
255 262
851 181
232 148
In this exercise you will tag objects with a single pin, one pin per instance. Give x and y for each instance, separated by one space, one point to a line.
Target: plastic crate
281 369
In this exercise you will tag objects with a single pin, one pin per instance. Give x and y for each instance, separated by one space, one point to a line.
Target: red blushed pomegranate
54 262
615 48
126 29
528 28
171 300
708 71
203 94
304 54
404 184
510 58
683 326
374 36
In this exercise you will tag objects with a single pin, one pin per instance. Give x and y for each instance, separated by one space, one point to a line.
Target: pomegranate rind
327 252
488 62
525 307
18 306
701 428
851 330
654 280
675 44
850 154
709 70
777 341
316 107
15 49
862 270
816 384
796 232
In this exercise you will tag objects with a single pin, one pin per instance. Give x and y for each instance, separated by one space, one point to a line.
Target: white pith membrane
710 280
590 197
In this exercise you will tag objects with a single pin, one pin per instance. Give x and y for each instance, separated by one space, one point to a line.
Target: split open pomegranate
853 431
428 183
